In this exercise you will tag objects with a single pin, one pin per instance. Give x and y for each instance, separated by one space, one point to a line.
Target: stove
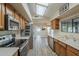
19 42
22 44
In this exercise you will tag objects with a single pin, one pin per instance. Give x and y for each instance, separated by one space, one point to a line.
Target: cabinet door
55 24
21 23
10 10
17 16
0 16
2 12
69 53
57 48
60 48
62 51
72 50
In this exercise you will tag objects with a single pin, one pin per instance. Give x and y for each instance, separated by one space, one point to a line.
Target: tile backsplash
6 32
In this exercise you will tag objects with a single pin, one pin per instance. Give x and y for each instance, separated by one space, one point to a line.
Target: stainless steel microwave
11 23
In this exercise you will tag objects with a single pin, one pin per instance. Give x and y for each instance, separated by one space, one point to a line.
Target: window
40 10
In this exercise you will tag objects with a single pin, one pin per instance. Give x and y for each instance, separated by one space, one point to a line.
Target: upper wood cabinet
9 10
55 24
17 16
2 13
24 23
21 22
0 16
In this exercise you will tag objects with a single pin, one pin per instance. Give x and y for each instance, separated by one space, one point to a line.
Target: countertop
72 42
21 37
10 51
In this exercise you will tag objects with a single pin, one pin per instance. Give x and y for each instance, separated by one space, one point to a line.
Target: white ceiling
50 11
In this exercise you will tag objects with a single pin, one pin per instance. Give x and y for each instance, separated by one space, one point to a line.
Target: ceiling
50 11
21 10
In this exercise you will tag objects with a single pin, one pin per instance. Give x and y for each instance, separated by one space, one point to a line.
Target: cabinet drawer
73 50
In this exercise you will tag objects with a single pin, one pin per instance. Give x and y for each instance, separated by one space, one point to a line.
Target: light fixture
45 4
40 10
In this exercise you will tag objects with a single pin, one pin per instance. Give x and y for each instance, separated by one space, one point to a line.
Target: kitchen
17 30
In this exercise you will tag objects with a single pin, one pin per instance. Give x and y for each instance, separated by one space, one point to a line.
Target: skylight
40 10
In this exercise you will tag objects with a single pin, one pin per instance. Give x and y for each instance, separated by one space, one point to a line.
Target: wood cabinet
57 48
60 48
22 23
17 17
55 24
69 53
10 10
2 13
6 8
72 51
63 49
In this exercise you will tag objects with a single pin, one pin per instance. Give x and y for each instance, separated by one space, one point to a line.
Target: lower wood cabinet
69 53
63 49
57 48
72 51
60 48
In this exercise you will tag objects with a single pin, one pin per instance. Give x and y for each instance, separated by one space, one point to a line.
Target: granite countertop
20 37
10 51
72 42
